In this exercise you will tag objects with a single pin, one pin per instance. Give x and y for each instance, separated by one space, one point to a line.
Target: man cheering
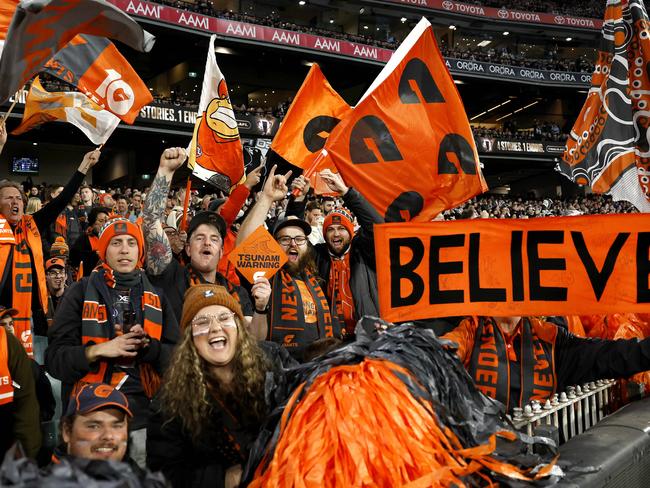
204 246
299 313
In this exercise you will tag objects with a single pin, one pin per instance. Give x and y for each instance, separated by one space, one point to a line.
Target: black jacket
204 462
363 276
65 357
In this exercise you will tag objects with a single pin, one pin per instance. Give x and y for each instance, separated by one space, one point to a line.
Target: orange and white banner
407 146
76 108
546 266
215 153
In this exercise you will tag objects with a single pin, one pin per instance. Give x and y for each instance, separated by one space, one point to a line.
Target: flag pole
186 203
11 108
4 118
311 169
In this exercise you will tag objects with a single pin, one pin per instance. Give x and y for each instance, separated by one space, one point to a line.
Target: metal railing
569 413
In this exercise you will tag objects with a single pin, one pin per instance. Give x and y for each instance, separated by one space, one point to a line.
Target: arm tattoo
159 251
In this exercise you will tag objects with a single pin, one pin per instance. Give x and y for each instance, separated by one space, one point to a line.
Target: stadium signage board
520 74
243 30
502 14
494 145
182 117
300 40
511 267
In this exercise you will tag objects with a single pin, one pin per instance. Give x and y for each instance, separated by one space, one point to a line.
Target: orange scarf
95 328
61 225
340 293
6 385
26 238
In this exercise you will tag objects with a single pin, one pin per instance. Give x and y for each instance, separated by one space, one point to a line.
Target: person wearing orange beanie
114 327
212 402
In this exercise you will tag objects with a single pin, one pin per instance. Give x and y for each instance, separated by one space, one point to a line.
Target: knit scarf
195 278
490 365
20 245
288 326
339 291
97 326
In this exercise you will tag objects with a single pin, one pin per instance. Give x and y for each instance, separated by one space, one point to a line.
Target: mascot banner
511 267
609 147
215 153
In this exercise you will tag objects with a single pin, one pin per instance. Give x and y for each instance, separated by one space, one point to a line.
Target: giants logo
118 94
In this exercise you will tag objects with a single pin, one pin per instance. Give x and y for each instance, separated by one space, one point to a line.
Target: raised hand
275 187
253 178
172 158
90 159
334 181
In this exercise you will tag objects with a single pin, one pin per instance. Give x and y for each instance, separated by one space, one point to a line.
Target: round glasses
204 322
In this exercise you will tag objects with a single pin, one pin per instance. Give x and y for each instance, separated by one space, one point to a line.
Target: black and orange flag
608 147
407 146
315 111
95 66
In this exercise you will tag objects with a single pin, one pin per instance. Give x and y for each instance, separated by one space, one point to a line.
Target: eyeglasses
56 274
286 240
201 324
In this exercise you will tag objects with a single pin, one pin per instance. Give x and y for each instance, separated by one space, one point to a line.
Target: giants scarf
287 326
339 291
490 365
194 278
97 328
17 245
6 385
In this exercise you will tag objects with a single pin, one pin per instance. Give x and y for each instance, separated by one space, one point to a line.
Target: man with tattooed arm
204 247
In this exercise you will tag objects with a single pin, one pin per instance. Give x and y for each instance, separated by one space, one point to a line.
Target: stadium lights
569 39
500 105
459 82
331 21
301 2
519 110
365 27
506 33
402 20
477 116
452 27
483 43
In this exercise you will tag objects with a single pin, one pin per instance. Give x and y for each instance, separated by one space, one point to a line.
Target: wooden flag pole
186 203
4 119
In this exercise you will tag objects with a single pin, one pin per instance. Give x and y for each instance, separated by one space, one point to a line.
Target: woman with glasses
211 403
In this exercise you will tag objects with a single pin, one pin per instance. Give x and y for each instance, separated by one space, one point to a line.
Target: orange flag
95 66
407 146
315 111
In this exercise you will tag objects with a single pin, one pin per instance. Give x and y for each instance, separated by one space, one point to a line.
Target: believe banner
547 266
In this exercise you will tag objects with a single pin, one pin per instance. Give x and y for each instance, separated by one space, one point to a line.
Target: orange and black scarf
339 291
490 365
96 327
21 248
195 278
287 318
6 384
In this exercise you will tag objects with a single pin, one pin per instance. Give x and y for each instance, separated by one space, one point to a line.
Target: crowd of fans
540 131
505 57
163 355
508 207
